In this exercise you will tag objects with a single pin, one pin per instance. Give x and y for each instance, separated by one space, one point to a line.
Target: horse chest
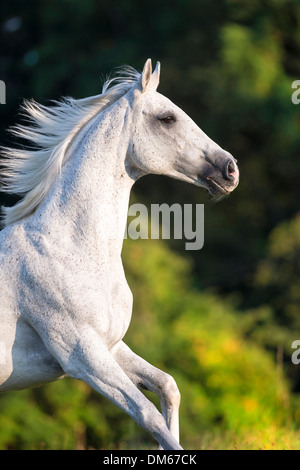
68 292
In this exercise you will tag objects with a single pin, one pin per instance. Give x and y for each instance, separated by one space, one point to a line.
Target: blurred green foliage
221 320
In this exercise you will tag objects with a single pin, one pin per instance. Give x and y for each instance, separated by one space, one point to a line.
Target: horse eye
168 119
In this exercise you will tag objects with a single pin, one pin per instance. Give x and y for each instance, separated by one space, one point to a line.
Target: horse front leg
146 376
90 360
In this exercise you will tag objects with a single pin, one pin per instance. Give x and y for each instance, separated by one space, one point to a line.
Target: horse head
165 140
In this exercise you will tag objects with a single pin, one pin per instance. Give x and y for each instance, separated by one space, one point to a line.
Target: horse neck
89 203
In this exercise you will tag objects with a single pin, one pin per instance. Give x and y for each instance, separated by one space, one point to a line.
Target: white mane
30 172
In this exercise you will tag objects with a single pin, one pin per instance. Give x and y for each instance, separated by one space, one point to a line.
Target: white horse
65 303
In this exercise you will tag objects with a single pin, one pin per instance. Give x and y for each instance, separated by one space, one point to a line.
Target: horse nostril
230 170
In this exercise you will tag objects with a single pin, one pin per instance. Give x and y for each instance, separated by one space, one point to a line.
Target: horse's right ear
146 75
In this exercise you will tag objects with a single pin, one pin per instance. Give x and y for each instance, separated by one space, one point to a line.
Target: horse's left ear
149 80
154 81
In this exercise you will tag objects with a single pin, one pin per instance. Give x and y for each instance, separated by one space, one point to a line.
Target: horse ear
146 75
154 82
149 80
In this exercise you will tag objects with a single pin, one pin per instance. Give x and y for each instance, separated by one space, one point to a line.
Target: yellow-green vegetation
234 396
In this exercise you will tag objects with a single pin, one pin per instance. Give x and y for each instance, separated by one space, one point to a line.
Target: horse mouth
215 188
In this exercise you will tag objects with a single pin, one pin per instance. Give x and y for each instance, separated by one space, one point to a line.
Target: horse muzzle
221 176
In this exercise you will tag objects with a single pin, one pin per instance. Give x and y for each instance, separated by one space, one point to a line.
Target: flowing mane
30 171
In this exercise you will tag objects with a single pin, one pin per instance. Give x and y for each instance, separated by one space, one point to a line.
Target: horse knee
171 390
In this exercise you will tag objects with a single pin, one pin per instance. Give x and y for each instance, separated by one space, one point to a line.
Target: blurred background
222 319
